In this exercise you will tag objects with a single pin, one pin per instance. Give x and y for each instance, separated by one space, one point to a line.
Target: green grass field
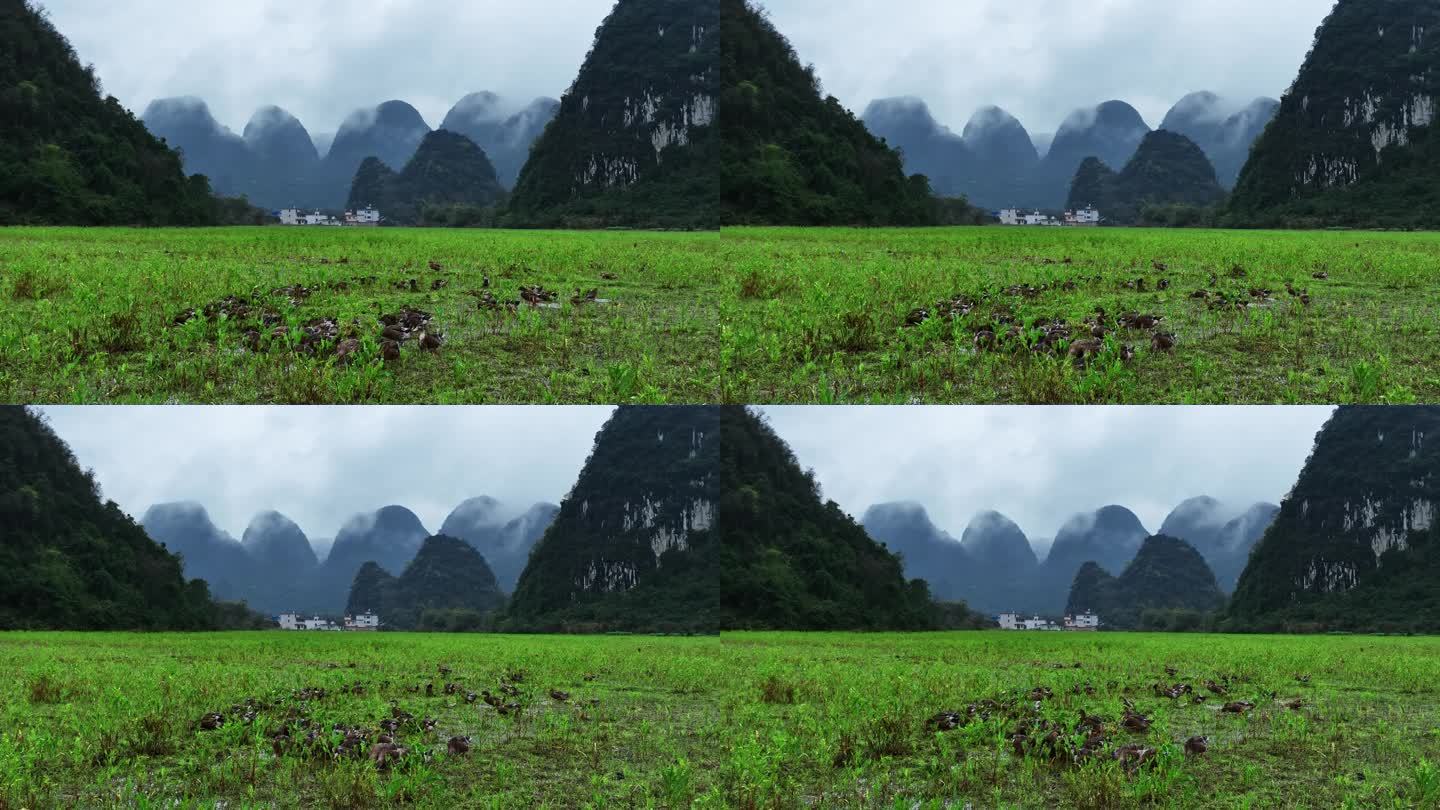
839 720
820 315
112 720
89 315
751 720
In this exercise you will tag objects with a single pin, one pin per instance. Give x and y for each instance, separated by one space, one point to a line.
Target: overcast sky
323 59
1040 60
1040 465
321 465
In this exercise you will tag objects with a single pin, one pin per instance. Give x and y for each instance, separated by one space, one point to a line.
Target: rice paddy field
1109 720
247 315
1050 315
352 720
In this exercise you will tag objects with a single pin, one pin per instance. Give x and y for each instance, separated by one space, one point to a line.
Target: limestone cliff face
643 105
1365 95
647 496
1368 490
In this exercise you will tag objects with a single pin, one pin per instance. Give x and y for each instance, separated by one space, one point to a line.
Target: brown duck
385 754
1082 351
1134 721
1133 757
458 746
944 721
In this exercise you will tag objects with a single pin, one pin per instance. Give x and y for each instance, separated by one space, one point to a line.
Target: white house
1010 216
364 217
1012 621
289 216
293 621
1082 622
1037 623
363 621
1086 217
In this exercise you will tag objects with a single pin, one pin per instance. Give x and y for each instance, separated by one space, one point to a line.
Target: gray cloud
325 58
321 465
1042 465
1042 60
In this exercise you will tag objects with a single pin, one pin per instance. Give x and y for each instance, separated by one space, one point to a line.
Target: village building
1086 217
363 218
1013 621
362 622
1082 622
294 621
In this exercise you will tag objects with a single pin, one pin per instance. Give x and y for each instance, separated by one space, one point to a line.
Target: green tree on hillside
792 156
74 562
789 560
70 156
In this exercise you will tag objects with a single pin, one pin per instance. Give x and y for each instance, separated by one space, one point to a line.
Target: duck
346 351
385 754
1133 757
1133 720
1083 350
944 721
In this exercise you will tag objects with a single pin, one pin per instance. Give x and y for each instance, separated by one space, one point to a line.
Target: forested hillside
447 172
73 561
1355 545
448 586
1167 575
1354 142
70 155
634 140
792 156
633 546
792 561
1166 169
